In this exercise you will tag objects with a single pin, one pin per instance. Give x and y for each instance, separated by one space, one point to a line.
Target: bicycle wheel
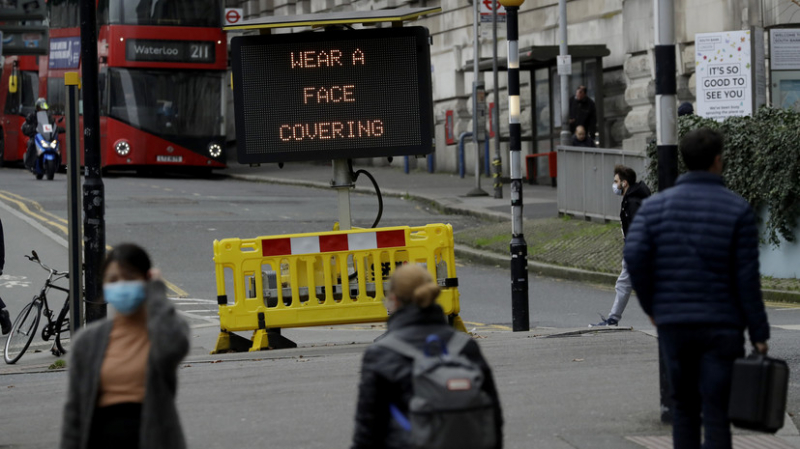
62 329
22 332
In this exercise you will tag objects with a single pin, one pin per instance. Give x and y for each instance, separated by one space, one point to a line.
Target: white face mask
616 188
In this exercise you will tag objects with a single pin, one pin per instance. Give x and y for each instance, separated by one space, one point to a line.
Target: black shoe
5 321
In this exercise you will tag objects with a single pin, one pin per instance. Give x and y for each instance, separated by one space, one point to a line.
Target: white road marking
196 300
35 224
788 327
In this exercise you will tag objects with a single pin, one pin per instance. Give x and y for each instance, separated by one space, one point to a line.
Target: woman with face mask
123 371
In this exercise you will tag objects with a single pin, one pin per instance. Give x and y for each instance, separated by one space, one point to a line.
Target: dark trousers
699 362
116 427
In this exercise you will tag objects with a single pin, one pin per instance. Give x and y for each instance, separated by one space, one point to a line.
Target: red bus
162 66
30 73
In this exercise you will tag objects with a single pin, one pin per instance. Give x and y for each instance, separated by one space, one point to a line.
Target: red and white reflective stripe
361 241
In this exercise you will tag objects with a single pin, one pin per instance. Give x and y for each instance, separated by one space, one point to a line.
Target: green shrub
762 163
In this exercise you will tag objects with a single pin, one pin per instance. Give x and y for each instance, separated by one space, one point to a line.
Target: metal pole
563 50
94 226
497 163
342 182
519 248
667 132
478 104
72 82
666 89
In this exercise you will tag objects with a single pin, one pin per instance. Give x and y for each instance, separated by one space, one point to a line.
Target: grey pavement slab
570 390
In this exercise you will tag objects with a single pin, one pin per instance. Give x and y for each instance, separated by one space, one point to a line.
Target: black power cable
354 175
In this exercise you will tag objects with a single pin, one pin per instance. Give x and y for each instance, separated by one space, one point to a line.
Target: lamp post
519 249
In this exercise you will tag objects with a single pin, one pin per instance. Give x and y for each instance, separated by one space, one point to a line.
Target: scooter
48 150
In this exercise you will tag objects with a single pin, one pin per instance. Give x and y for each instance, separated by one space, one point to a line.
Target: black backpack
449 408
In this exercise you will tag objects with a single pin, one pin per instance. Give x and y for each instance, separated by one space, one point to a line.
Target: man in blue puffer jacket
692 254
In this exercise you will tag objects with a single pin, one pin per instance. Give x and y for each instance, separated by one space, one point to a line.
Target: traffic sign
486 7
233 16
333 95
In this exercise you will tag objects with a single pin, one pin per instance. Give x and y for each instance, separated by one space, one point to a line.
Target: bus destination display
332 95
169 51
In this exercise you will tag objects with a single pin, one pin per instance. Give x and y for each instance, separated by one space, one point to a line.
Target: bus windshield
187 13
167 103
24 101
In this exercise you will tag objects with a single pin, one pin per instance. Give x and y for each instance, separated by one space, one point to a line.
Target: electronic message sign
333 95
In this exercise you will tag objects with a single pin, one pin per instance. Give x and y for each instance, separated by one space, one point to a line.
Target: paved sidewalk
560 389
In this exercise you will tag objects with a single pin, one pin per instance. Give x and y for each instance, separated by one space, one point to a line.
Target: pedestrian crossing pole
519 248
667 132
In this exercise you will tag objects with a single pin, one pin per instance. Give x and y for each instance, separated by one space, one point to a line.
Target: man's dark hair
700 147
582 88
625 174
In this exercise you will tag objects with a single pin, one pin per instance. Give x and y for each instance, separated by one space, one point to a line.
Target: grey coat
169 343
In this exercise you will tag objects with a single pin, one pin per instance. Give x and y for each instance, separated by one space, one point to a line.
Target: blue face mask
125 296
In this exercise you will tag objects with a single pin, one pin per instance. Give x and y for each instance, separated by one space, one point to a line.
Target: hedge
762 164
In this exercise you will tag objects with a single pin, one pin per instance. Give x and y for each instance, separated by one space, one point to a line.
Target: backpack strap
399 346
457 343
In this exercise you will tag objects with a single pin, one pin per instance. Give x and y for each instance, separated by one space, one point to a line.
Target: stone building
625 27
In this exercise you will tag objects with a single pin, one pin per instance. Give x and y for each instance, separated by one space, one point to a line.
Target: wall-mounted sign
233 16
729 80
333 95
65 53
449 126
784 49
170 51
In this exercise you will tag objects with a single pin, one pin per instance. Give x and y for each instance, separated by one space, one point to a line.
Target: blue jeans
699 361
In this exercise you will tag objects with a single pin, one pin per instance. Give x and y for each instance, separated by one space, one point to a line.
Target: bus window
102 12
27 94
191 13
56 95
185 104
64 13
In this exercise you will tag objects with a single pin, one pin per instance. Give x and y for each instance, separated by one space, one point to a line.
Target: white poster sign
784 49
724 75
564 64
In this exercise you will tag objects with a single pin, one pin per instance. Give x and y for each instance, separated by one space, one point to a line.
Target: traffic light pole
94 226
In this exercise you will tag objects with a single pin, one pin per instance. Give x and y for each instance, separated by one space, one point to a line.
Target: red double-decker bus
29 73
162 66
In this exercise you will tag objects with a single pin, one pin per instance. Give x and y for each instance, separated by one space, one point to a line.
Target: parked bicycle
27 322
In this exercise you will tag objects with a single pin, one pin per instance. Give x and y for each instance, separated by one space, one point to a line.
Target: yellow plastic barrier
329 278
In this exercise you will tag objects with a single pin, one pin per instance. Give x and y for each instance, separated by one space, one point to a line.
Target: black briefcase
758 393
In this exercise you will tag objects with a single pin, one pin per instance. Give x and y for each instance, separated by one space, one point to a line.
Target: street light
519 249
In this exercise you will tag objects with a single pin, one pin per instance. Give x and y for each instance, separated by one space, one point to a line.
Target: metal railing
585 176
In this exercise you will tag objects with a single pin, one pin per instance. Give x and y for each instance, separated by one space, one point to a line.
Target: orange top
124 369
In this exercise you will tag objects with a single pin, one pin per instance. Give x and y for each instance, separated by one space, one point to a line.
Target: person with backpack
423 384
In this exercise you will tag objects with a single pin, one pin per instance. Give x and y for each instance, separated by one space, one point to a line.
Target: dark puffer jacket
386 378
692 252
631 202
